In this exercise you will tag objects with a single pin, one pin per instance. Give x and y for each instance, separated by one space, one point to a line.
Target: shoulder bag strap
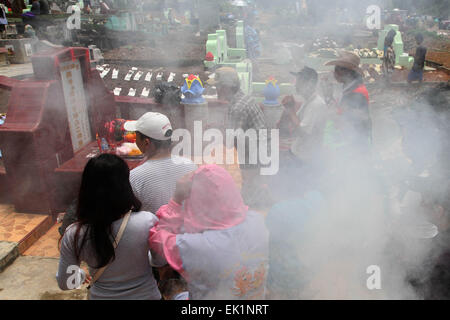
115 244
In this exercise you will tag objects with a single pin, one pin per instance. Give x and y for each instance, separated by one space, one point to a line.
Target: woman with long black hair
110 235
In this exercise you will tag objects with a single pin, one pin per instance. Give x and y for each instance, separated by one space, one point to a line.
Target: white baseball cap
152 124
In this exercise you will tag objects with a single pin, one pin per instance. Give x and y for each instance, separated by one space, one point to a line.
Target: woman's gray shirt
129 276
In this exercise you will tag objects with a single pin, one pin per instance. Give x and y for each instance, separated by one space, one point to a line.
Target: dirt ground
428 76
439 57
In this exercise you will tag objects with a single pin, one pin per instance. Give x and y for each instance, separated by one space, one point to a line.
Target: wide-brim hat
347 60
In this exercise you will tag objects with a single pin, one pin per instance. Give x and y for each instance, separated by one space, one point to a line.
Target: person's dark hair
159 144
347 73
390 38
308 75
105 196
419 38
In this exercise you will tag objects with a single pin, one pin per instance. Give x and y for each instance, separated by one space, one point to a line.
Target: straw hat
347 60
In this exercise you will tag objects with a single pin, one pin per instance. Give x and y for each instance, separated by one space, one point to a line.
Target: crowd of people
170 229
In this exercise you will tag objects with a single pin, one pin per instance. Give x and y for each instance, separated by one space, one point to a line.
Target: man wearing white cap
154 181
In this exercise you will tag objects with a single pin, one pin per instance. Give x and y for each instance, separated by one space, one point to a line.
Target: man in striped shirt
154 181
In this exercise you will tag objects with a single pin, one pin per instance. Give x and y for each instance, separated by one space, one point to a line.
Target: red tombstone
50 118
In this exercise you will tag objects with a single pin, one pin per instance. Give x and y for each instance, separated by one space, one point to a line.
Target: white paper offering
159 76
171 77
134 68
104 73
132 92
117 91
115 73
138 75
129 75
145 92
148 76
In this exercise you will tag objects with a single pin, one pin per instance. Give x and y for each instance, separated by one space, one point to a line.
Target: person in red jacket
353 107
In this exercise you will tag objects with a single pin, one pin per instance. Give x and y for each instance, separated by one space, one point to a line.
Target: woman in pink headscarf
217 245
